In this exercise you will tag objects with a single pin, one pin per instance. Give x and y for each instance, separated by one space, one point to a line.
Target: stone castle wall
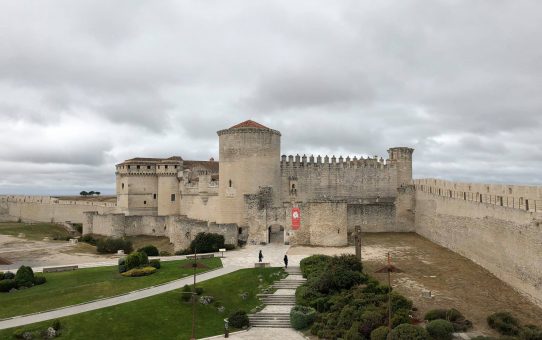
505 240
309 178
48 209
179 229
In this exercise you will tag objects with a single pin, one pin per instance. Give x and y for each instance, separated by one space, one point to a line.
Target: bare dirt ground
101 198
21 251
454 281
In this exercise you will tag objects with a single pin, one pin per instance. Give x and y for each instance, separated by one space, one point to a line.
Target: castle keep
252 189
251 192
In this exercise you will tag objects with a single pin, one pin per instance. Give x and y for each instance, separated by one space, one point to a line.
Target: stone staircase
278 303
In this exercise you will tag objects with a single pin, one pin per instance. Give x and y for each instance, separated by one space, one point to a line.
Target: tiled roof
249 124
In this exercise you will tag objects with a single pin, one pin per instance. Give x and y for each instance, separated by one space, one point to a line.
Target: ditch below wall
505 241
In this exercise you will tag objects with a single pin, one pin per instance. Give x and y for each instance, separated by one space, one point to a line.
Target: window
144 202
510 191
175 166
138 167
172 197
230 183
148 166
166 166
123 185
240 231
154 196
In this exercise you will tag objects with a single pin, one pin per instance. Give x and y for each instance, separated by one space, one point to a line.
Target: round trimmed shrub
132 261
440 329
435 314
369 321
56 324
143 258
408 332
504 323
186 293
353 333
381 333
399 317
207 242
155 263
238 319
302 317
199 291
7 284
8 276
24 276
150 250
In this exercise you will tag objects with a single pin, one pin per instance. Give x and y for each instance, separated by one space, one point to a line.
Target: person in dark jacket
260 256
286 261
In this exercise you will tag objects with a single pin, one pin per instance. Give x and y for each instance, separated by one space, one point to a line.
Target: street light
389 268
194 265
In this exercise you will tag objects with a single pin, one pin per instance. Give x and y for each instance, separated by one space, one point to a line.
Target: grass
68 288
165 316
35 231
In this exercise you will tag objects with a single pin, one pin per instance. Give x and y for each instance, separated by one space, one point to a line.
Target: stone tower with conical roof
249 160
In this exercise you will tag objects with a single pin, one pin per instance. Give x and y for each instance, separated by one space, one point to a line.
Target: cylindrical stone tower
402 157
249 159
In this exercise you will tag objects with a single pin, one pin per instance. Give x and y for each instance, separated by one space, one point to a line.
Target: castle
255 188
255 195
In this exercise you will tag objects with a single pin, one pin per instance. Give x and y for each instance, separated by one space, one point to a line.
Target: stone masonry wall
504 240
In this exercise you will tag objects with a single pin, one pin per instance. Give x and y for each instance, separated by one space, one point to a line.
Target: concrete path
108 302
261 333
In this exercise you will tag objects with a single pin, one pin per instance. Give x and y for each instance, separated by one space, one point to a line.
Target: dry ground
454 280
101 198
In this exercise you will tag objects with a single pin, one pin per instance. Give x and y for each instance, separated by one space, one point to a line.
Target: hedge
440 329
302 317
7 284
139 272
39 280
150 250
111 245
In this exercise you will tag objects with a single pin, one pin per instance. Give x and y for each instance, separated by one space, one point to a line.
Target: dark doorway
276 234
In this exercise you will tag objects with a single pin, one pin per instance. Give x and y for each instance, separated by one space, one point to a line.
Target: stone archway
275 234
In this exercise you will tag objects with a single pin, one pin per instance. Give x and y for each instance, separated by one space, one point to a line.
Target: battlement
48 200
339 162
521 197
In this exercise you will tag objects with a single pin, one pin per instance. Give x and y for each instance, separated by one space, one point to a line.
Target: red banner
296 218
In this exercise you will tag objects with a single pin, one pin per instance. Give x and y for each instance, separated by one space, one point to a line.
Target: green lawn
165 316
35 231
68 288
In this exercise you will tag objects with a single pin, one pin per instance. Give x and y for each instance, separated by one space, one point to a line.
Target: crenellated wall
501 235
48 209
307 178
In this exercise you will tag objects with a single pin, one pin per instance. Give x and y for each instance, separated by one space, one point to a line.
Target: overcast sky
87 84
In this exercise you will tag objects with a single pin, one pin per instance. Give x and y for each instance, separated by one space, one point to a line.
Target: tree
91 193
83 193
97 193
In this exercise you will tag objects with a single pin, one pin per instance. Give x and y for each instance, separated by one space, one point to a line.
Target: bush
150 250
7 284
504 323
370 320
132 261
408 332
56 325
353 333
238 319
381 333
399 317
440 329
139 272
24 276
199 290
207 243
78 227
314 264
122 265
229 246
39 280
400 302
89 239
186 293
143 259
435 314
530 332
155 263
8 276
111 245
164 253
302 317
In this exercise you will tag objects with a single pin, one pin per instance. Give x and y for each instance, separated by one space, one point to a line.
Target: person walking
285 261
260 256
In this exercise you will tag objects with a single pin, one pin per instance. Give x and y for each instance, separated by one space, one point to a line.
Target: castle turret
402 157
249 159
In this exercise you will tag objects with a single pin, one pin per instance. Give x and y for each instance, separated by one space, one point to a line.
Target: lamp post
389 268
194 265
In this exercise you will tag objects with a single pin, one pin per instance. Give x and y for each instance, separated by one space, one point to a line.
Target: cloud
86 85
